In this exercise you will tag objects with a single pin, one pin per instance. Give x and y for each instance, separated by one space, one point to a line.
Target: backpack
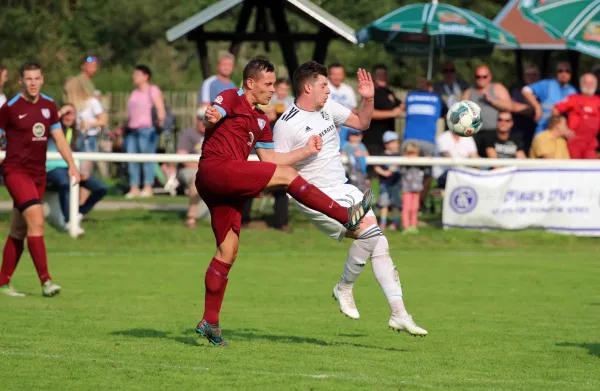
170 120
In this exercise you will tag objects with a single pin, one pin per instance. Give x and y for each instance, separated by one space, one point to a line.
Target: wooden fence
183 104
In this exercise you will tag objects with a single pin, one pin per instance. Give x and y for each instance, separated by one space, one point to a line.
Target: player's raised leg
13 248
310 195
371 242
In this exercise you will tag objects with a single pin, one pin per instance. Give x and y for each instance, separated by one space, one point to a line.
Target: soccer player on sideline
226 179
314 114
28 119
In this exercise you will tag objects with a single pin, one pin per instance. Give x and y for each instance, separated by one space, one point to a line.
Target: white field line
356 377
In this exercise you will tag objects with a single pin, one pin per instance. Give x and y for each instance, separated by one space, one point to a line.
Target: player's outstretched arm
366 89
314 145
65 151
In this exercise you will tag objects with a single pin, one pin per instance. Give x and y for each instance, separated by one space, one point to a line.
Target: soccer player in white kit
314 114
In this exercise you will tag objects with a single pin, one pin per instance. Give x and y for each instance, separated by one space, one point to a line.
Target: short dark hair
29 66
281 80
505 112
335 65
144 69
380 66
554 120
308 71
253 69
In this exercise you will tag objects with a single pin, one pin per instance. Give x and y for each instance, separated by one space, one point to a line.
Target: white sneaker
8 290
146 194
50 289
172 185
131 195
80 231
406 323
346 299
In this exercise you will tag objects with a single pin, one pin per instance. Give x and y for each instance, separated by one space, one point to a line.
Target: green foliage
58 33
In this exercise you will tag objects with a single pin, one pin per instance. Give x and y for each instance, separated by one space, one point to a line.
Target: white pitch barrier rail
371 160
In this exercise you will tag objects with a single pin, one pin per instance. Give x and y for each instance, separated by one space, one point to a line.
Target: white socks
359 253
372 243
387 276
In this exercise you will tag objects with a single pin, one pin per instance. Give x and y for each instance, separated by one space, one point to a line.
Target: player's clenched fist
314 144
212 115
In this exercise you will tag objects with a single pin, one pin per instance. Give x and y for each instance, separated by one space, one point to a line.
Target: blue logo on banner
463 199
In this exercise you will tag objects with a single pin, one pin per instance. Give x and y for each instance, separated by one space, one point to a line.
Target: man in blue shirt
423 109
544 94
218 83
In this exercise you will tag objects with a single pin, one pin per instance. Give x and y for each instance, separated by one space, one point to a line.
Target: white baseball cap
390 136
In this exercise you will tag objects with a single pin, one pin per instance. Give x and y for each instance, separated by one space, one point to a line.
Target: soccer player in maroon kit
226 179
28 119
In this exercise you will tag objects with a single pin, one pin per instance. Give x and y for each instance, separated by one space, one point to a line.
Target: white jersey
294 128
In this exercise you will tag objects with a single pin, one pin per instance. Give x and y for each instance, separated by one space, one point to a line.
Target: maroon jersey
27 127
241 129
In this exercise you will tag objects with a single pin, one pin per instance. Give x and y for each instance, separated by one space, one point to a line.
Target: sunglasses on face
91 59
448 70
478 77
563 70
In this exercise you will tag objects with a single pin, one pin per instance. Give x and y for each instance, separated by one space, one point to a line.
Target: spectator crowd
543 119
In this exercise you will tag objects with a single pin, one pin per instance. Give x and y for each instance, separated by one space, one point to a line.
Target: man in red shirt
583 118
28 119
226 179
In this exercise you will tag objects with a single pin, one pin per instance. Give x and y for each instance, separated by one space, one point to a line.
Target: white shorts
345 195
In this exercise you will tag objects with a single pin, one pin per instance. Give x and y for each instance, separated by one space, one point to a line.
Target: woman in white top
90 119
3 79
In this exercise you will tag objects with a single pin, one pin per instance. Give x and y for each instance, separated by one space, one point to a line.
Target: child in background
356 152
389 182
412 185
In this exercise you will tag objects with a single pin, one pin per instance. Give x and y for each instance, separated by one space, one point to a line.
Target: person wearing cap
190 142
389 182
89 67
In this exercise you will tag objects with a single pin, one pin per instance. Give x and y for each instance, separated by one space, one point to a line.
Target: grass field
505 311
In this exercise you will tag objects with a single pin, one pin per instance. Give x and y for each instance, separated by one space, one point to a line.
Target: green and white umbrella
433 28
576 21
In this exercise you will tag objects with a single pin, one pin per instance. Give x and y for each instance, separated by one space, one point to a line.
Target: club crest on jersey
46 113
38 131
251 139
261 123
325 115
219 99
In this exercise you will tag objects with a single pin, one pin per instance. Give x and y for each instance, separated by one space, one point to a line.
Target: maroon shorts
25 189
225 185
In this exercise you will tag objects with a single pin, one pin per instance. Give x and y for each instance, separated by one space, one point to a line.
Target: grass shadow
249 335
593 347
156 334
253 335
